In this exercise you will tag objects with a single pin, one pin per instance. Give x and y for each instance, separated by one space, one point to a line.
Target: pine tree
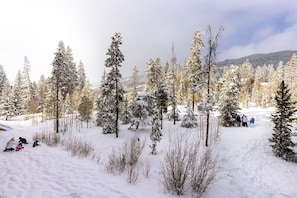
193 66
246 72
17 97
140 111
171 79
229 105
81 76
189 119
112 90
153 75
282 144
156 133
134 81
41 91
59 79
70 77
8 109
126 114
85 107
290 77
26 86
3 80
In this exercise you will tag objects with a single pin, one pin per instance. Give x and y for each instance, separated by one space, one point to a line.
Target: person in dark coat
238 120
35 143
22 140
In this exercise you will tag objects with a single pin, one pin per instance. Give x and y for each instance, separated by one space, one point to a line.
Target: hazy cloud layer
33 28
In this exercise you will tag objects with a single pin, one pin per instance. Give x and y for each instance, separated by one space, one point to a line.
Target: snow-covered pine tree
170 79
153 75
81 76
41 91
105 116
189 119
290 76
8 107
282 144
257 91
26 86
4 91
67 105
140 112
17 97
3 80
193 67
59 79
134 82
156 133
112 88
85 107
229 104
156 87
246 73
126 114
162 100
71 82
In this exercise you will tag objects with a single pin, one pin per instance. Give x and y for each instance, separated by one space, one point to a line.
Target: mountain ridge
260 59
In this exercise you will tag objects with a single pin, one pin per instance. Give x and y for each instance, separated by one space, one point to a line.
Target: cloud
149 28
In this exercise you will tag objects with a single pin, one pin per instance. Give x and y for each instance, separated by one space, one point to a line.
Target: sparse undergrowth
126 158
74 145
187 165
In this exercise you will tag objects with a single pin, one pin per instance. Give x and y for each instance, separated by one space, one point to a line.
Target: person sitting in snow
244 121
252 122
22 140
238 120
35 143
19 147
9 145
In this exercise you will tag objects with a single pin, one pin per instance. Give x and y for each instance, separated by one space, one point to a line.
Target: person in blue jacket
252 122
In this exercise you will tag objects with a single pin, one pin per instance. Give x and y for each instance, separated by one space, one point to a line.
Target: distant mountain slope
255 59
261 59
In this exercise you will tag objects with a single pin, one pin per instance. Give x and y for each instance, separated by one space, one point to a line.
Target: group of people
10 144
243 121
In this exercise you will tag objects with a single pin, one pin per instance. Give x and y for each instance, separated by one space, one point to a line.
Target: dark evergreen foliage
282 144
108 104
85 108
156 133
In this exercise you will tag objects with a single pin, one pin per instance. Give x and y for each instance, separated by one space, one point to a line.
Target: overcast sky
33 28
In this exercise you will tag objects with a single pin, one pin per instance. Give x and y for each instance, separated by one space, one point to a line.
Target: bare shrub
78 148
50 139
178 161
133 150
203 172
126 157
96 158
147 168
132 174
116 162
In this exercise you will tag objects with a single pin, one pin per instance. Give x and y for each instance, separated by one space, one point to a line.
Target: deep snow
246 166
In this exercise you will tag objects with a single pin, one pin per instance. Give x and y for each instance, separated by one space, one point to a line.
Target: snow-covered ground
246 166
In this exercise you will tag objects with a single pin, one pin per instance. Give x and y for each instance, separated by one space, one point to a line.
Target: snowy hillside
246 165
